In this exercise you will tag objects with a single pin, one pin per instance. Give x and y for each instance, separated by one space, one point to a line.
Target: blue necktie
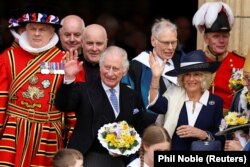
114 100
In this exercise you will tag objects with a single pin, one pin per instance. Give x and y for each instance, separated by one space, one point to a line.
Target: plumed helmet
214 17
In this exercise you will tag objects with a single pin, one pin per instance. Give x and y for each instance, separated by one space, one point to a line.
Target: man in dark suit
94 43
93 107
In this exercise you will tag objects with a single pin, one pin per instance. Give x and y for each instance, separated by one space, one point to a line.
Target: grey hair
206 80
117 51
161 25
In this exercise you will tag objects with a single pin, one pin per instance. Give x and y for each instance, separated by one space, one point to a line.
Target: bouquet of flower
119 138
236 80
233 119
232 122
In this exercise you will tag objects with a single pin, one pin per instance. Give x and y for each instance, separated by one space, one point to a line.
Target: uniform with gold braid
216 19
220 85
30 125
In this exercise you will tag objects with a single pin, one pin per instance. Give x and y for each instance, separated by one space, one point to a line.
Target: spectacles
167 43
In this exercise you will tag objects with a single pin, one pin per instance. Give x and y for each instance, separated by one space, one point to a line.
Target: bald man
71 33
93 45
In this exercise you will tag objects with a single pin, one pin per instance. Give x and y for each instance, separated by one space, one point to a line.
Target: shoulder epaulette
236 53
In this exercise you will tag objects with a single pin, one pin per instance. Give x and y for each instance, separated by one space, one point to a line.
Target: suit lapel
100 103
125 103
201 117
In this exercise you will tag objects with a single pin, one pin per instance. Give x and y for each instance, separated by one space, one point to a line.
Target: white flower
119 138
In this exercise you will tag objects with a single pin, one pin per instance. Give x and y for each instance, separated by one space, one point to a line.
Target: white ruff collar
15 34
23 41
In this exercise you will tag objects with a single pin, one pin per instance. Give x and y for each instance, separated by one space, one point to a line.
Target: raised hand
156 67
157 70
71 65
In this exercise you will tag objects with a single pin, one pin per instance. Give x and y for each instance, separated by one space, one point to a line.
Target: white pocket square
135 111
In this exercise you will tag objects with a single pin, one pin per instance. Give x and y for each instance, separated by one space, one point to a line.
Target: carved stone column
240 33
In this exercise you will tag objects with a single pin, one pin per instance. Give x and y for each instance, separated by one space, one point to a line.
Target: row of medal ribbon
52 68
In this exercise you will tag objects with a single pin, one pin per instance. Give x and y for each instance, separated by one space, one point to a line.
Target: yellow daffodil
233 119
120 136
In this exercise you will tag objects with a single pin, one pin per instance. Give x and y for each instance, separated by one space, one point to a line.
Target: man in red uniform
216 19
30 125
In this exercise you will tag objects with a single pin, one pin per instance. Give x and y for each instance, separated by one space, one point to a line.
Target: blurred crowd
127 26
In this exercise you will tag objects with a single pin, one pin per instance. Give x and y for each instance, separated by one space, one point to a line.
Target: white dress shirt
193 113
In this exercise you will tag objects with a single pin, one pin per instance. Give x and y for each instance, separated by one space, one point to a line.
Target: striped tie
114 100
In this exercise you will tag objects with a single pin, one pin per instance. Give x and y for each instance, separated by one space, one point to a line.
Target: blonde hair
153 134
66 157
206 80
